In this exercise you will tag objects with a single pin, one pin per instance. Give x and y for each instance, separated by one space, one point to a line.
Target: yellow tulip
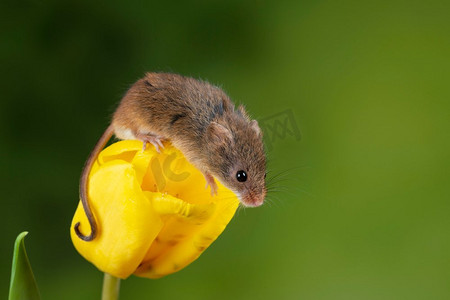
153 212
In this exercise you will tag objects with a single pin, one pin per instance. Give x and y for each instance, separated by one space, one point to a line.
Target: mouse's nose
254 199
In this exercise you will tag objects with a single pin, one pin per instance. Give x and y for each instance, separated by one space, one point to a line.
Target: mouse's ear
254 125
218 134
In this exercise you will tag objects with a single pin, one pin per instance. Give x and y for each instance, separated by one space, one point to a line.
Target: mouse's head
237 158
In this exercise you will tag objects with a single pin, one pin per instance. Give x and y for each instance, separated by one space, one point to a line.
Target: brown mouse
201 121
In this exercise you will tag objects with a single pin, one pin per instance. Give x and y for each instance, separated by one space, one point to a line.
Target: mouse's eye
241 176
265 175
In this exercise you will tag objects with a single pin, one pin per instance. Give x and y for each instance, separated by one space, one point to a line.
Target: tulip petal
125 217
185 236
165 205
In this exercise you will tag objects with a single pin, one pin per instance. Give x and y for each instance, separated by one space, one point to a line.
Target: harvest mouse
201 121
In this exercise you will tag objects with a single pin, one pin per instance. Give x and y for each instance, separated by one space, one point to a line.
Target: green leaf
23 285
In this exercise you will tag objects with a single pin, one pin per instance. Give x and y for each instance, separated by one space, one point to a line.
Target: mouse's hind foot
153 139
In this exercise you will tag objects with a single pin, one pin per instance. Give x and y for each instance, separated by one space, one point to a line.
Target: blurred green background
363 212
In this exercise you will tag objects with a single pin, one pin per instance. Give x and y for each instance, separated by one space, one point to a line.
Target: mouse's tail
84 185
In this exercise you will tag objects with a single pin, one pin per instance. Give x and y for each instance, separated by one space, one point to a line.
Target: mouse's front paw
211 182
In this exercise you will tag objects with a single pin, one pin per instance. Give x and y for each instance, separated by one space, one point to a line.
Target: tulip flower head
153 212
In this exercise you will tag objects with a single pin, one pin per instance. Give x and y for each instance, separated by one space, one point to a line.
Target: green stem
111 286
